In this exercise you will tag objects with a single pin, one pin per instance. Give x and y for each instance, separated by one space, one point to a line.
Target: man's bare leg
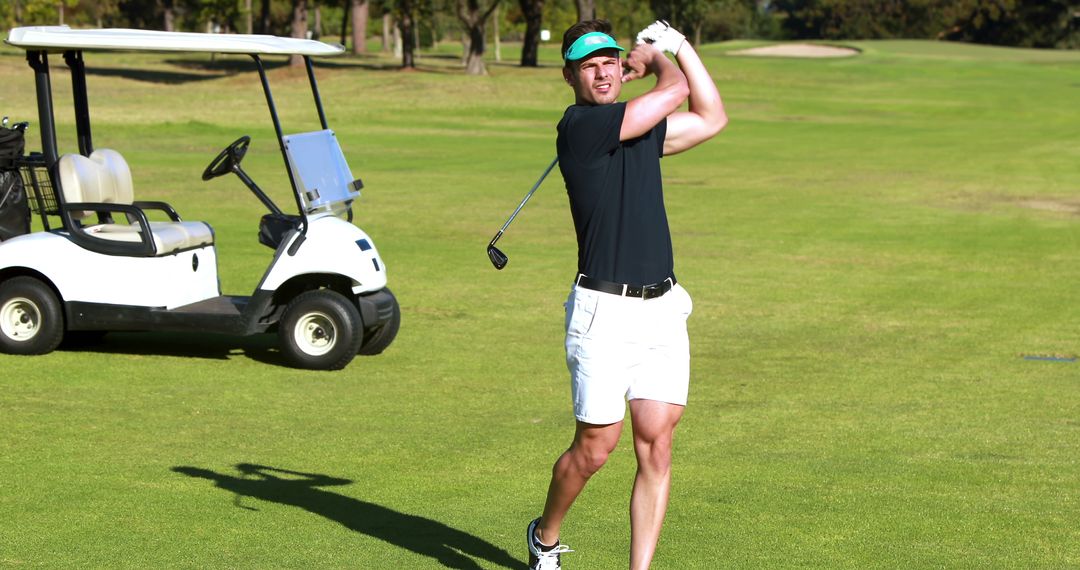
654 429
587 454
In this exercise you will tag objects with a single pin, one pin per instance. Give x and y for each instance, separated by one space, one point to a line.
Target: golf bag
14 208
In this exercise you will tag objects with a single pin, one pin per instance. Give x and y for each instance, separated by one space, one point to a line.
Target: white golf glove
662 36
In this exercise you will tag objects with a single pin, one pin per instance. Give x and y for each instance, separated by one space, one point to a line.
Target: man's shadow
451 547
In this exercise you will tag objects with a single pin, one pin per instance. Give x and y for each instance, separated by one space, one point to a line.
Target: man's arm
705 117
646 110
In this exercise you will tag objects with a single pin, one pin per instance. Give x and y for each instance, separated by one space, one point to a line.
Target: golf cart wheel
375 342
31 320
320 330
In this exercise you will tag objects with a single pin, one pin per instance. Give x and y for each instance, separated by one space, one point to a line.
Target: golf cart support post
327 299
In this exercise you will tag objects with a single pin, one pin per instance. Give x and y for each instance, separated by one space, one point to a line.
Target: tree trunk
264 17
407 34
316 29
345 13
359 25
473 18
169 16
387 23
533 10
398 48
299 28
495 34
586 10
474 61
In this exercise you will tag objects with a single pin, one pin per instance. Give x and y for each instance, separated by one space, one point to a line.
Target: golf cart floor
225 305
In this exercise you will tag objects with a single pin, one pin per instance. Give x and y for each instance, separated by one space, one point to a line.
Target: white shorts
621 348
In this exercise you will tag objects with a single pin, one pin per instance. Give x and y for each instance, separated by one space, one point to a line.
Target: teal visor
589 43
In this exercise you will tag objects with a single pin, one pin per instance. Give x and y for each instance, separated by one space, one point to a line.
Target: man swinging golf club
626 315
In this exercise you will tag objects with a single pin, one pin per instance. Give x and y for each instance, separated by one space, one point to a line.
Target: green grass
871 245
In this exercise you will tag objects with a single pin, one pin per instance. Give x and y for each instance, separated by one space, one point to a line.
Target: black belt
637 291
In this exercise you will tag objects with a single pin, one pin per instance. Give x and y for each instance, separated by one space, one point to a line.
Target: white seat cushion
169 237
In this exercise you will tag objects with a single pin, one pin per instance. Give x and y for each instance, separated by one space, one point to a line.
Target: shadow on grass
260 347
202 69
150 75
232 65
450 547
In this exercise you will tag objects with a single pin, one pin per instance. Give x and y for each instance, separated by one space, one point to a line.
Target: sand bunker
797 50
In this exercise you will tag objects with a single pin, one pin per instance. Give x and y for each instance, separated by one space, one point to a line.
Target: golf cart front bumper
376 309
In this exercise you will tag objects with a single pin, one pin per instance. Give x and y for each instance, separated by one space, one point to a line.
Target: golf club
498 258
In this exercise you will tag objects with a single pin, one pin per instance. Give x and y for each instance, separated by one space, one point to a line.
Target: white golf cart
106 267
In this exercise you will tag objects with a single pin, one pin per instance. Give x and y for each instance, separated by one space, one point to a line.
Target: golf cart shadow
260 348
152 76
452 548
234 65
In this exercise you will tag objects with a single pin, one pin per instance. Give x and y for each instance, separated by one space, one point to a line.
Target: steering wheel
230 157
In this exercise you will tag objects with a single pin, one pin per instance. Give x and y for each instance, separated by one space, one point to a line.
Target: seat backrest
116 185
80 180
103 177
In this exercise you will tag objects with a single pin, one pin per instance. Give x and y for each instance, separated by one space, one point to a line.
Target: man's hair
580 29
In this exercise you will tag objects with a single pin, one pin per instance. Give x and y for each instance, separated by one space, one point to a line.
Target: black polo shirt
616 196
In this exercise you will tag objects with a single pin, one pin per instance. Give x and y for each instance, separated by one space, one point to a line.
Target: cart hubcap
20 319
315 334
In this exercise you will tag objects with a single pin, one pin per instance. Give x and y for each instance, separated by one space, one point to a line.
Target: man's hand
641 62
662 36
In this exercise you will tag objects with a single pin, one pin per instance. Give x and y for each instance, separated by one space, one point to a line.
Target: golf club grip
529 195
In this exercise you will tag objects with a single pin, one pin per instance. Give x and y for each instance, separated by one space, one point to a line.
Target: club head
498 258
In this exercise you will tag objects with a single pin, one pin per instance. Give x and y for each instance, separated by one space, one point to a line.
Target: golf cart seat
101 185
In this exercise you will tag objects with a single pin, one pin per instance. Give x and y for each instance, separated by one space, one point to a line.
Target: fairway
873 246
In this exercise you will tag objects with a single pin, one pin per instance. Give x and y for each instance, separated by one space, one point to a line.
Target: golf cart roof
65 38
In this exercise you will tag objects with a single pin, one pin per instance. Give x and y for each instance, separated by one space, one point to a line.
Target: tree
98 11
473 16
533 10
299 28
264 17
704 20
405 15
586 10
210 15
1025 23
36 12
727 19
168 20
359 25
145 14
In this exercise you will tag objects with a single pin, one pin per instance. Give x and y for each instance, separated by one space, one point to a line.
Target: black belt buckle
650 291
636 291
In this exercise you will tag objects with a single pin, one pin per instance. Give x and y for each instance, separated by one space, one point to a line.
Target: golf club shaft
526 199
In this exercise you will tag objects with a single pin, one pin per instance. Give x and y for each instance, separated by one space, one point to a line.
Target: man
626 315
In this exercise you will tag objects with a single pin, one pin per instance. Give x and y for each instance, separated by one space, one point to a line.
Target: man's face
597 79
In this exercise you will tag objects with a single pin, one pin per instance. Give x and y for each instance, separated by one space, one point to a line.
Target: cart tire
320 330
376 342
31 318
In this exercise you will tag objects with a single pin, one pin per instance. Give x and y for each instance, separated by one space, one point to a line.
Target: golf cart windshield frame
38 42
